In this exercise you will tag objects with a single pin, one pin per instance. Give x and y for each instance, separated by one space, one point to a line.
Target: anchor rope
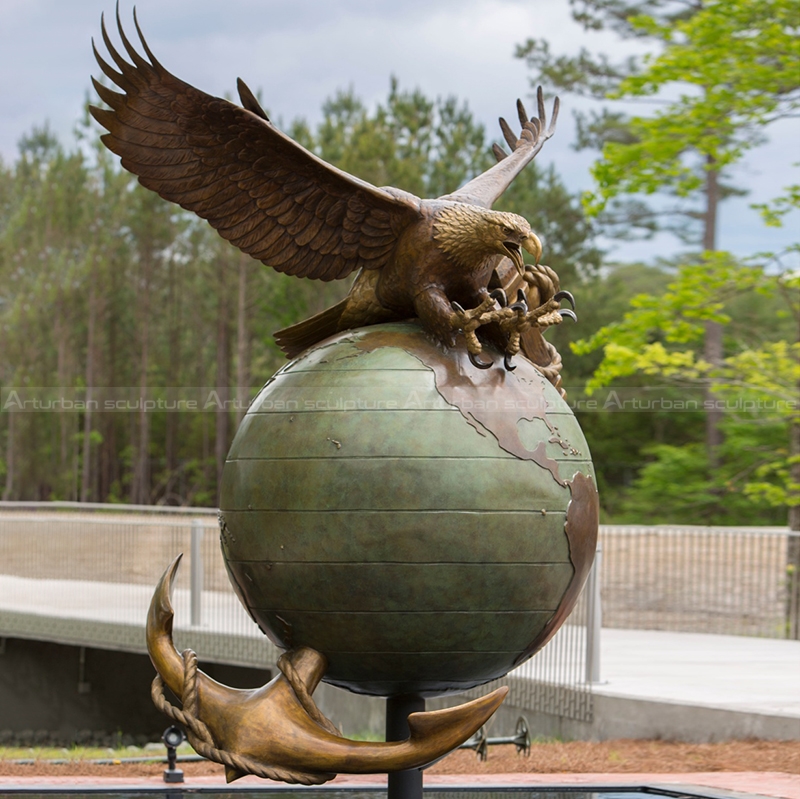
304 697
199 736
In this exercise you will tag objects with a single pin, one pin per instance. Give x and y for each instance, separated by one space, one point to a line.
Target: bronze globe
424 524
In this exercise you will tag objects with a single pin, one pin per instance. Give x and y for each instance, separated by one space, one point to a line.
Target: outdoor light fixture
173 737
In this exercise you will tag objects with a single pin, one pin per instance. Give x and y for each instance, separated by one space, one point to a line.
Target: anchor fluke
277 731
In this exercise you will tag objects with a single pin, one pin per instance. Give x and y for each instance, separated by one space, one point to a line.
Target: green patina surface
405 517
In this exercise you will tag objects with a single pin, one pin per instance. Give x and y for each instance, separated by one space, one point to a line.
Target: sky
298 54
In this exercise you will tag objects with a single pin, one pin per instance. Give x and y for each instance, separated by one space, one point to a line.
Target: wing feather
262 191
324 241
288 218
111 98
486 188
335 214
309 233
326 202
307 195
269 238
298 226
242 231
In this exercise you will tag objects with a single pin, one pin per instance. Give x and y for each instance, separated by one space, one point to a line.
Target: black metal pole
403 784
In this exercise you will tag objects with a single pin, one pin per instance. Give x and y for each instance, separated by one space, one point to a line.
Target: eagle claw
473 359
500 296
469 322
565 295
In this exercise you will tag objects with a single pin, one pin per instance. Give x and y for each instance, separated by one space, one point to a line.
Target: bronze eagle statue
451 261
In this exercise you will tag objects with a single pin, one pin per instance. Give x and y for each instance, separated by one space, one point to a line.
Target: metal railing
84 575
722 580
86 578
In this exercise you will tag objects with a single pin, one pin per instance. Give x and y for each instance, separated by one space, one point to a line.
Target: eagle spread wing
486 188
262 191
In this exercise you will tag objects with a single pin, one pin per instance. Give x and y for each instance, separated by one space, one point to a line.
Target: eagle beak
532 244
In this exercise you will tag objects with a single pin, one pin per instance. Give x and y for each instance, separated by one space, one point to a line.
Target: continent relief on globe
424 524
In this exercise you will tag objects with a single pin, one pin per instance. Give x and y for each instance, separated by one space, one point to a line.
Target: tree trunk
222 417
141 474
793 546
108 469
713 334
173 372
114 427
87 415
242 371
8 491
63 422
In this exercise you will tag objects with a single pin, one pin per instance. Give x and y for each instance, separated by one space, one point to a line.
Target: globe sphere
424 524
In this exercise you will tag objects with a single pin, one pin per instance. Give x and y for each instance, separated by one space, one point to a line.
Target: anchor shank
403 784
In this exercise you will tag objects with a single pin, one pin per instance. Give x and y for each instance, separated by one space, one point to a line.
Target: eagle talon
565 295
471 320
500 296
473 359
507 363
521 304
566 312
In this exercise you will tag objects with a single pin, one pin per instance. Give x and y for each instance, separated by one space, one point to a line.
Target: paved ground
725 785
753 675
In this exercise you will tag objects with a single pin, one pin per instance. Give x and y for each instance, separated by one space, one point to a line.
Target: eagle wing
486 188
260 190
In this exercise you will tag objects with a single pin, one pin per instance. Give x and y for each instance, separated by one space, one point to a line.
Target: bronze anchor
276 731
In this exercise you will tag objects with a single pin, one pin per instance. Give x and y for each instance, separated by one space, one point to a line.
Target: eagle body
426 275
422 277
284 206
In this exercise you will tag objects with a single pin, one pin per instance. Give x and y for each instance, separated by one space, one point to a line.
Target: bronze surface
390 505
581 526
270 732
460 383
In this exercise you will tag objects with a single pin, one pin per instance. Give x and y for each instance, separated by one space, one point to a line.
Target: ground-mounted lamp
173 737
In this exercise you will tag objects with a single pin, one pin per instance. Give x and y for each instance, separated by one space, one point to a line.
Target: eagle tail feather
297 338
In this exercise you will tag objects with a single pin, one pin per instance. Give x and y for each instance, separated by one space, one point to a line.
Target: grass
86 752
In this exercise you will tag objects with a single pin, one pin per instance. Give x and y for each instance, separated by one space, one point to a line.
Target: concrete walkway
755 675
711 785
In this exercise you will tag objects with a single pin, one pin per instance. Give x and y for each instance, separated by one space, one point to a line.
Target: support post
196 574
594 619
403 784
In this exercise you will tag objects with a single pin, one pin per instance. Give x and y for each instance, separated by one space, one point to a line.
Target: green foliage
720 73
774 213
735 66
645 339
755 386
719 70
678 485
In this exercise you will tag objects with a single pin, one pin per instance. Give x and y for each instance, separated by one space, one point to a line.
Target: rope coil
199 736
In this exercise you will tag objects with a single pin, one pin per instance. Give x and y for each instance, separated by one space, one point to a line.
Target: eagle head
469 233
